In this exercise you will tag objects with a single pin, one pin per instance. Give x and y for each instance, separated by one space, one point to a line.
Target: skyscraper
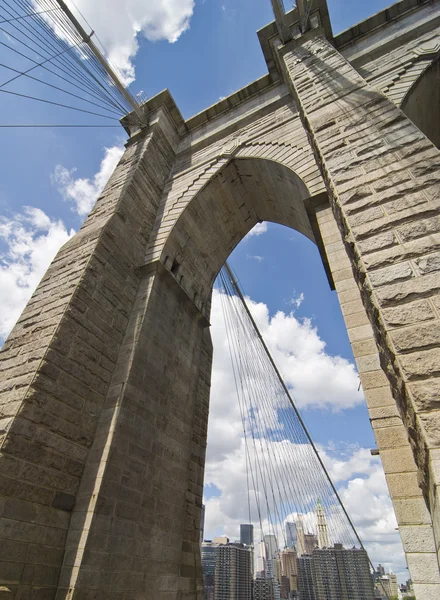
291 534
272 545
272 548
310 542
306 587
266 589
261 560
290 569
233 573
247 534
339 573
301 545
323 538
209 555
387 585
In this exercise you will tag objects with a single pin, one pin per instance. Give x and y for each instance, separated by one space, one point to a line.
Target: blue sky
51 170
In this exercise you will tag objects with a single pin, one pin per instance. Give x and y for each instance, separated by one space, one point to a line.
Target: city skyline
323 573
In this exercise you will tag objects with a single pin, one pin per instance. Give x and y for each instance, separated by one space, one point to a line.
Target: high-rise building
387 585
220 540
209 555
266 589
310 542
289 569
272 548
291 534
306 586
233 573
247 534
341 574
261 560
272 545
301 544
277 567
323 538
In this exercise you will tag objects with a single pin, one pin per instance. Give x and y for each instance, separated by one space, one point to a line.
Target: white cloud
83 192
120 23
296 300
255 257
258 229
28 243
316 379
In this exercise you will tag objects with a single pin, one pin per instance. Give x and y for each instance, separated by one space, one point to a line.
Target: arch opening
243 193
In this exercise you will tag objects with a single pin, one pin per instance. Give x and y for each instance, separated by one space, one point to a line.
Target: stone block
381 396
421 364
411 511
423 567
352 307
357 319
417 538
14 551
368 363
391 437
427 591
373 379
430 423
363 348
356 334
377 242
429 263
426 394
399 460
408 314
424 335
387 275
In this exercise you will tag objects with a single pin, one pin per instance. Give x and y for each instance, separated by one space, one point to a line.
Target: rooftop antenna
87 38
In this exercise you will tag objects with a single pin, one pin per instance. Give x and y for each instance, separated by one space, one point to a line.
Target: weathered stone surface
395 273
421 364
426 394
412 511
398 460
423 335
429 263
417 538
431 426
425 566
415 312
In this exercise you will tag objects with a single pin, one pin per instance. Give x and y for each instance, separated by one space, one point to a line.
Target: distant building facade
209 556
310 542
247 534
306 588
233 573
387 586
289 580
266 589
291 538
341 574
